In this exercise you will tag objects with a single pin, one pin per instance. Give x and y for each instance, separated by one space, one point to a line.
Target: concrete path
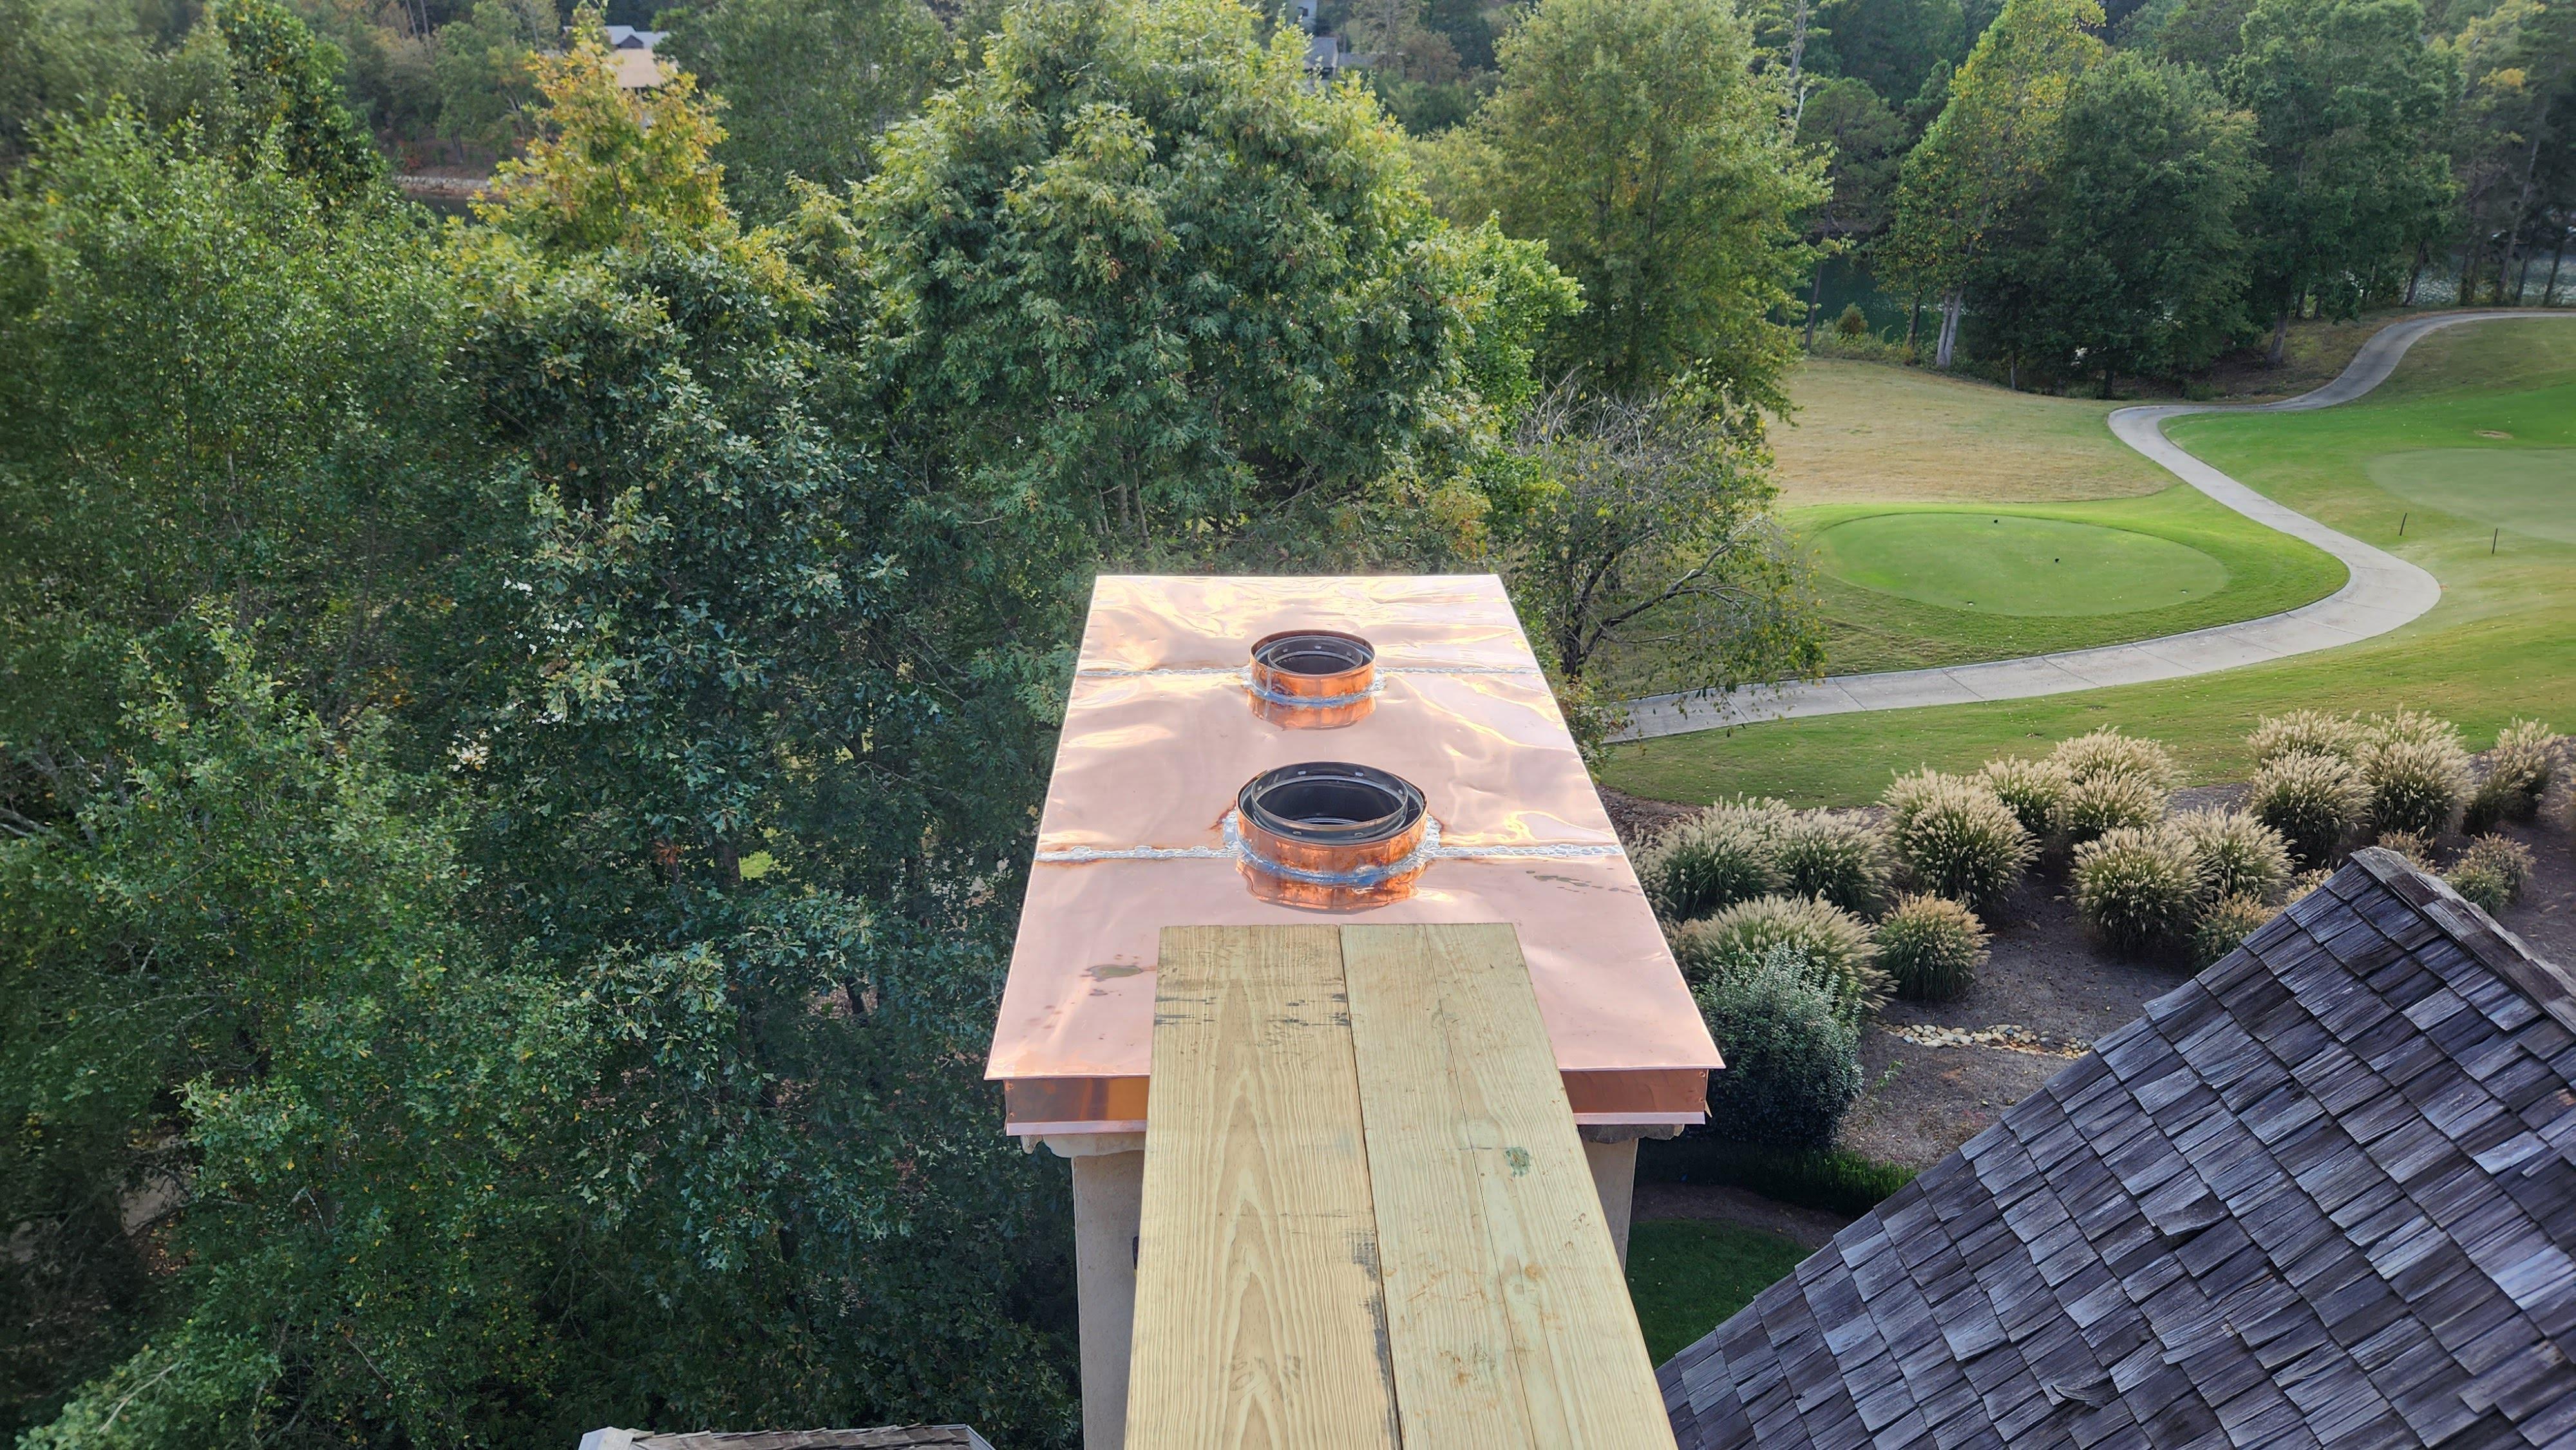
2382 592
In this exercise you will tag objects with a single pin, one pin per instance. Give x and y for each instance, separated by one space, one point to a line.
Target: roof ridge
2547 984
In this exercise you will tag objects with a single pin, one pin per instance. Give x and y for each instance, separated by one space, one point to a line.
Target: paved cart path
2382 593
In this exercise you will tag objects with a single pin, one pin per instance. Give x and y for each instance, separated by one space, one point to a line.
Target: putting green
2014 564
2528 490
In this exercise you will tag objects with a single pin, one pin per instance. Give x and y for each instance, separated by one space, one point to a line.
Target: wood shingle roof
2322 1194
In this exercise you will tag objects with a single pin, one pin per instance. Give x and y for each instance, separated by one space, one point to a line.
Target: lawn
2498 400
1687 1275
1871 432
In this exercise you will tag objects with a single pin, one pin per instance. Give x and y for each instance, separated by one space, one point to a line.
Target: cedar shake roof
2322 1194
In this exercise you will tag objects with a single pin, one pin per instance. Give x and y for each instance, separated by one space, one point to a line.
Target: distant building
638 69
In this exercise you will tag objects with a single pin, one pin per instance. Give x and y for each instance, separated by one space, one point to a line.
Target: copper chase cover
1192 787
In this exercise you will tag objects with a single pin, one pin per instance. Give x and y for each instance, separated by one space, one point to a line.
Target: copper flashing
1312 679
1144 828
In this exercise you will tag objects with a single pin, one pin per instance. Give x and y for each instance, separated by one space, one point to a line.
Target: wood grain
1259 1319
1508 1314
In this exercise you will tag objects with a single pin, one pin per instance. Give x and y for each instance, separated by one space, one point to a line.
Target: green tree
63 58
1984 159
483 67
2346 98
1893 46
287 81
809 86
1633 138
1140 287
1863 143
2131 262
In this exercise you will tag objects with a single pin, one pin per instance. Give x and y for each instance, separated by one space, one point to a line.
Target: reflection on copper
1143 829
1312 679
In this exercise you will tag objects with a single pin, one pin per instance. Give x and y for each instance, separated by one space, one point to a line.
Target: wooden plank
1508 1314
1259 1319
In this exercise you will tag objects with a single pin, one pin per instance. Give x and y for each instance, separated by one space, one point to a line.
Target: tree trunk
2521 212
2414 276
1949 332
1815 301
1913 320
2557 254
2466 294
2280 337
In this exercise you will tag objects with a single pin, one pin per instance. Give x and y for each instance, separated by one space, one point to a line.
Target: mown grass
1686 1276
2501 643
1873 432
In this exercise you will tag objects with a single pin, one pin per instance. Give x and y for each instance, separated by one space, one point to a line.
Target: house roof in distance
2322 1194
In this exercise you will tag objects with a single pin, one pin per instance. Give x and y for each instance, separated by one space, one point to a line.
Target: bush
2235 854
1792 1057
1957 839
2101 803
1716 858
2313 799
2416 783
1853 322
2035 789
2303 883
2304 732
2492 872
2136 887
1828 1179
1840 858
2108 752
1931 947
2407 727
2519 772
1834 947
2225 926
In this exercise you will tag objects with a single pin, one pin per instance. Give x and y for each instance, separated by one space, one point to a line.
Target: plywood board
1259 1320
1508 1315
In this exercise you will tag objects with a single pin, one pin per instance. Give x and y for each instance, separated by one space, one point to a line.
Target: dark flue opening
1331 803
1314 652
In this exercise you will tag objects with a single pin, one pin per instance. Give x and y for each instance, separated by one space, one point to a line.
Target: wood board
1327 1101
1259 1323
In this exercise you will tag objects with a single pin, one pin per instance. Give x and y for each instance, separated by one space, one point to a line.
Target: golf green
2016 564
2529 490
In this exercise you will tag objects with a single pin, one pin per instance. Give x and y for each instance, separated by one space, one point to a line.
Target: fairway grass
1686 1276
1876 433
2501 643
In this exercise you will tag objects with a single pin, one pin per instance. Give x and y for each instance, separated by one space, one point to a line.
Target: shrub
2304 732
2407 727
2108 752
2136 886
2303 883
2409 845
2035 789
1956 839
2235 854
1853 322
2313 799
2225 926
1840 858
1792 1058
2492 872
1931 947
2417 783
1834 947
1716 858
2519 772
2099 803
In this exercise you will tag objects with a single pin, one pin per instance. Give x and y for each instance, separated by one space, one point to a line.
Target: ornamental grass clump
1840 858
2492 872
1837 948
1712 860
2035 789
2416 849
1792 1058
2304 732
1956 839
2108 752
1931 947
2096 804
2225 925
2235 854
2519 772
2417 783
2137 888
2313 799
